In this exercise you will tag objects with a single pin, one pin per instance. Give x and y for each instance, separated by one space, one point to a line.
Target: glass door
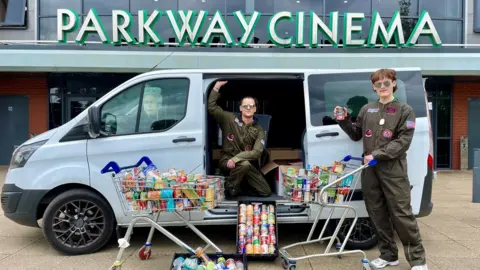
439 91
76 105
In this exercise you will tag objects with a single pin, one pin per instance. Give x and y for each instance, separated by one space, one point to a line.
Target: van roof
266 70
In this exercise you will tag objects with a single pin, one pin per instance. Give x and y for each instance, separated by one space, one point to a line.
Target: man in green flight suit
243 144
387 126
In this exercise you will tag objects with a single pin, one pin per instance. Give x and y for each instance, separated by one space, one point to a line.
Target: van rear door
159 116
325 141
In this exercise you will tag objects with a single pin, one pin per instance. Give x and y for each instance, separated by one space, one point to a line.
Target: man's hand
338 109
218 85
367 159
230 164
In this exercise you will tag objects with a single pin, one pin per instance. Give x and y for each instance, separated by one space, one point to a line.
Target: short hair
384 73
254 99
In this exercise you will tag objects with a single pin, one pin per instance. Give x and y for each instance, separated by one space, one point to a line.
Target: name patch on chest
387 133
391 110
372 110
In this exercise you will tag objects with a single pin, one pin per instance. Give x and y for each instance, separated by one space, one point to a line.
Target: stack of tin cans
256 229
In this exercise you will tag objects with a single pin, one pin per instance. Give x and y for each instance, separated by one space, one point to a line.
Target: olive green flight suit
386 186
243 144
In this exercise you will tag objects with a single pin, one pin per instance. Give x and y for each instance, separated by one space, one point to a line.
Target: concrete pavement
451 235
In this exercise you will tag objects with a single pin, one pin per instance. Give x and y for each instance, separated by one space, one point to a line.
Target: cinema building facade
58 57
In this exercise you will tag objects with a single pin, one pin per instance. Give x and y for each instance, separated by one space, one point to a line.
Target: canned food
264 248
256 219
264 239
187 204
242 229
264 217
271 249
257 249
241 249
242 218
271 209
272 239
249 248
271 228
264 229
271 219
249 210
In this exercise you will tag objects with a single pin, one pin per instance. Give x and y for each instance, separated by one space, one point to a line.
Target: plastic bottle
201 254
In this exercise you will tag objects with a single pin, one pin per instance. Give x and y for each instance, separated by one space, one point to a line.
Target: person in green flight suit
387 127
243 144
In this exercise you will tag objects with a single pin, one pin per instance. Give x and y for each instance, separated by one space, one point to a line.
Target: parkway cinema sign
187 25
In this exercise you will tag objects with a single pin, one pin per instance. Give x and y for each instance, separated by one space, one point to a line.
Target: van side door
326 141
159 116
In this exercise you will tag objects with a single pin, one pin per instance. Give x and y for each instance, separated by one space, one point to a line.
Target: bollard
476 176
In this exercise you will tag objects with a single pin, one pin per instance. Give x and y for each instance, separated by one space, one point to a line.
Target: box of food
257 230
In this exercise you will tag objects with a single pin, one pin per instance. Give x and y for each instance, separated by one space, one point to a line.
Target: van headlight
23 153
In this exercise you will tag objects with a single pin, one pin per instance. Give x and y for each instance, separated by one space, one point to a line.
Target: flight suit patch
410 124
372 110
391 110
247 148
368 133
230 137
387 133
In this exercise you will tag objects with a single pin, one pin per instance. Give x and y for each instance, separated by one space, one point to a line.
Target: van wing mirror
94 121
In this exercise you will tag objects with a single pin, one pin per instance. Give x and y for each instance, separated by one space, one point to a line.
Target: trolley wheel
143 254
292 267
284 263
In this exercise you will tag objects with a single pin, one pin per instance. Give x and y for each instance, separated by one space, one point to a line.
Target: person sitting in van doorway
243 145
387 127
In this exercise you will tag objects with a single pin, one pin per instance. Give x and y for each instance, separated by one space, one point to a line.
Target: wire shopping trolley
330 187
147 193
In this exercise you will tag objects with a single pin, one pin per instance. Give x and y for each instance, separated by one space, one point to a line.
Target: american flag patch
410 124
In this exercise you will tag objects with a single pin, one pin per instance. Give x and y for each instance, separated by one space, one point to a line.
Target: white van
56 176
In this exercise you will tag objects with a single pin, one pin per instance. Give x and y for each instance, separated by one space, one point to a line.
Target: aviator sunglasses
248 106
386 83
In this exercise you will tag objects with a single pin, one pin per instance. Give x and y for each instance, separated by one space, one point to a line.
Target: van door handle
327 134
183 139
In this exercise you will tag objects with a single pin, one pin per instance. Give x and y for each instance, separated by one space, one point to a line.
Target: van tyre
363 236
77 222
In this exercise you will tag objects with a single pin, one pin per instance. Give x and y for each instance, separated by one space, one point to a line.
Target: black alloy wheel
363 236
78 222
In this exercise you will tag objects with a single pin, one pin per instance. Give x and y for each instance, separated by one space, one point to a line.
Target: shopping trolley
147 193
330 187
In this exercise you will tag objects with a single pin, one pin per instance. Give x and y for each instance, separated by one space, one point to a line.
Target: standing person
243 144
387 126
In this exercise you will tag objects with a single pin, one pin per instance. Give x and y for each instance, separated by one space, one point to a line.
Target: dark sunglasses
386 83
248 106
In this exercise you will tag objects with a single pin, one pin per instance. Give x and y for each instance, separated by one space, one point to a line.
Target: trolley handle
371 163
112 166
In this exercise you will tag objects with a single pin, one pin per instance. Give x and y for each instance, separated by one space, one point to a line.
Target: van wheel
363 235
78 222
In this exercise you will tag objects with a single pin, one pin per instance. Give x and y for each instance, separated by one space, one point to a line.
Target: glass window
443 117
443 8
233 6
450 32
12 12
150 5
264 6
343 6
48 30
405 7
119 115
162 105
105 7
355 90
208 5
49 7
299 5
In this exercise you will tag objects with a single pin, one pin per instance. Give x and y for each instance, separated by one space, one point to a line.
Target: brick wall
34 85
465 87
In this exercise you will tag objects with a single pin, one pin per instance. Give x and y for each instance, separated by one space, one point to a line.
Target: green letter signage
186 26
